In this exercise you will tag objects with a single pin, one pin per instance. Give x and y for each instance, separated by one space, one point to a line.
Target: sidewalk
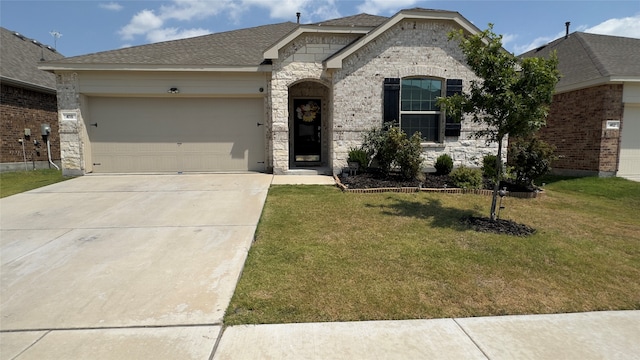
303 180
593 335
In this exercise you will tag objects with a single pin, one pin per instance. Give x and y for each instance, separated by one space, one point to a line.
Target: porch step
309 171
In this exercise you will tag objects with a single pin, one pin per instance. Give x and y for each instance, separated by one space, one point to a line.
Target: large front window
418 109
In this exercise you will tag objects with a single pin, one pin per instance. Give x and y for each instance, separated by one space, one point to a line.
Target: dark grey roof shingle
242 47
20 57
584 57
360 20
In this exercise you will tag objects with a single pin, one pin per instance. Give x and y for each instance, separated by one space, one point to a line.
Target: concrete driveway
138 265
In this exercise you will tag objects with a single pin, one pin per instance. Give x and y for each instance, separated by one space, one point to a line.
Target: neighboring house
283 98
594 120
27 101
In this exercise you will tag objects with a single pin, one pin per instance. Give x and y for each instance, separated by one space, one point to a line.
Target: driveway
142 265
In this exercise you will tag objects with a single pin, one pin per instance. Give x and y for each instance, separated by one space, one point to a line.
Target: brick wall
22 108
576 125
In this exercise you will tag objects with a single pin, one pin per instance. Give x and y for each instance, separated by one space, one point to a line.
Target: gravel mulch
498 226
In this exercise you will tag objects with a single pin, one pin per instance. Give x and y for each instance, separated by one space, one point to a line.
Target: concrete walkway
143 267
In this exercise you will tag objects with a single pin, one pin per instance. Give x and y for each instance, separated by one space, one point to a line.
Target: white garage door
630 145
175 134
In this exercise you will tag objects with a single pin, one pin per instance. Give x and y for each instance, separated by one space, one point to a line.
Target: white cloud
376 7
166 34
507 38
141 23
535 43
159 24
627 27
113 6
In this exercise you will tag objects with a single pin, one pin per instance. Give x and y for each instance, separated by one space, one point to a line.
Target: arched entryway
309 118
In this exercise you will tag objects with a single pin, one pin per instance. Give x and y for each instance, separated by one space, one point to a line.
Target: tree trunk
496 186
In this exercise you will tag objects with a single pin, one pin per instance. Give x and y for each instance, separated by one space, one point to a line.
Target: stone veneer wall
410 48
576 126
298 61
72 141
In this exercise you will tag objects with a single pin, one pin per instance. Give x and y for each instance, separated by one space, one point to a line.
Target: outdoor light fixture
173 90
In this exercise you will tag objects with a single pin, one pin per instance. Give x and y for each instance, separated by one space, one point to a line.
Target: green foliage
409 157
444 164
512 97
466 178
391 148
360 156
530 158
489 168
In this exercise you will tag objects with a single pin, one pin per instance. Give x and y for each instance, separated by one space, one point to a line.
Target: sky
79 27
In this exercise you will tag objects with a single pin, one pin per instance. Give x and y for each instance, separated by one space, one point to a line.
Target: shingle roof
584 57
242 47
360 20
20 57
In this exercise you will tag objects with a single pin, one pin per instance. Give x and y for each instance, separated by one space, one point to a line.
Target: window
412 102
418 108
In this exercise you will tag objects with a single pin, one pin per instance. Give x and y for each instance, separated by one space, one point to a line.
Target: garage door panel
146 134
629 166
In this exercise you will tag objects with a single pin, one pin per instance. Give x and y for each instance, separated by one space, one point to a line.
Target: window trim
440 118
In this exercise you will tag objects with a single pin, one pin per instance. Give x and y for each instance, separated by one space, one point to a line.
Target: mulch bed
481 224
498 226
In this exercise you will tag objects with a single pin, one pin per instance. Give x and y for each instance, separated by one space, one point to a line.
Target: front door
307 127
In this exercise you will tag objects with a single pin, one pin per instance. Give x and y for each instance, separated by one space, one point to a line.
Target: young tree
512 96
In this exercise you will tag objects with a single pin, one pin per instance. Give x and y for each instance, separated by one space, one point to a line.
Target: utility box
46 129
27 132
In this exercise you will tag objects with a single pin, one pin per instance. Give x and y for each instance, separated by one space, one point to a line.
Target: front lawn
20 181
324 255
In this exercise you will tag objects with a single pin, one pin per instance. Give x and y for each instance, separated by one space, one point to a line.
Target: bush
360 156
391 148
467 178
409 157
443 164
489 166
530 159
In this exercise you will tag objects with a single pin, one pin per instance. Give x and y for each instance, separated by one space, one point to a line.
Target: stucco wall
576 126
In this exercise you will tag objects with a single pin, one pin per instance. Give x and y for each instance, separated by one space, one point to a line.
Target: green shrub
489 166
467 178
443 164
360 156
530 159
409 157
391 148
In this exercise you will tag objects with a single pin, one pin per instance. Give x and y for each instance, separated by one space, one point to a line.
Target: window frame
439 122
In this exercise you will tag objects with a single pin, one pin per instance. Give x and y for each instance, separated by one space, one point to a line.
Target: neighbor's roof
19 60
588 59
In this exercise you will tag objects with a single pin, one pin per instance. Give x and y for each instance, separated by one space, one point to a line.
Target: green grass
324 255
20 181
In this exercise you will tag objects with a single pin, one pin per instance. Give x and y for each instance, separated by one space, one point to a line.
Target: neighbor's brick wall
20 109
410 48
576 126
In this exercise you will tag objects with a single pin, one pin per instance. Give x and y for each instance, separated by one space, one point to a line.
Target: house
594 120
27 101
286 98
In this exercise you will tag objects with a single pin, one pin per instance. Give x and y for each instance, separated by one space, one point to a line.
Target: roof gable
589 59
19 60
335 61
